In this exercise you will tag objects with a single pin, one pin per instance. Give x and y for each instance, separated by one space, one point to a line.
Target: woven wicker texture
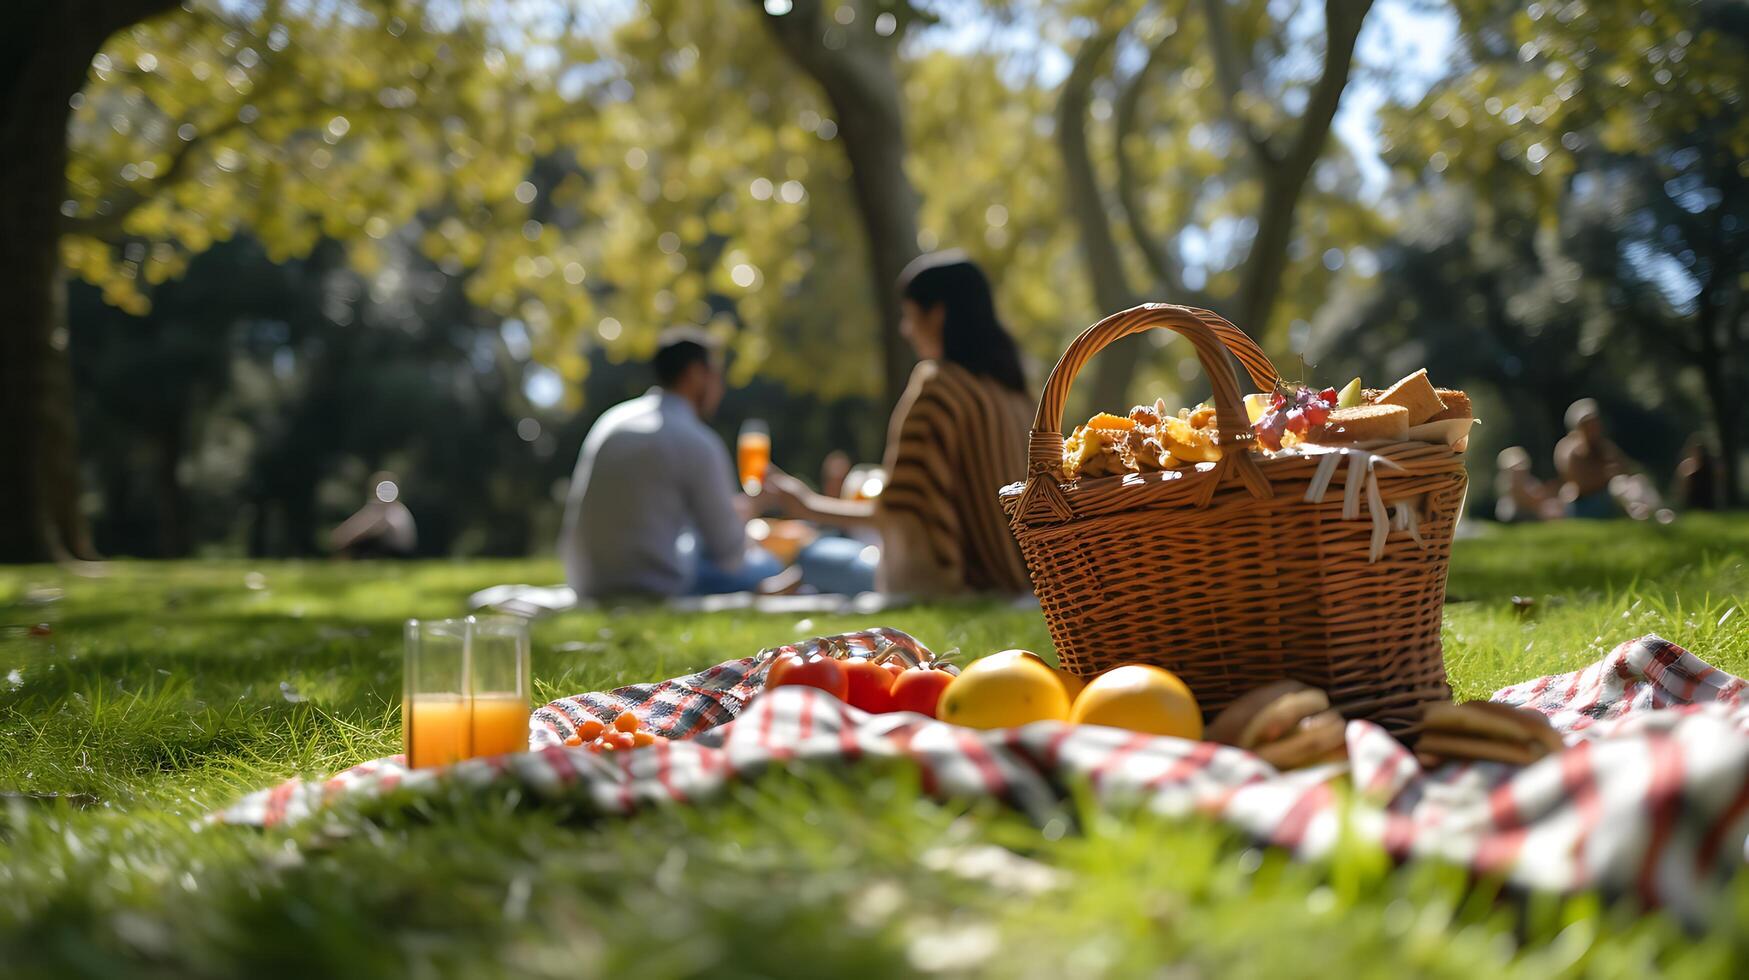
1224 573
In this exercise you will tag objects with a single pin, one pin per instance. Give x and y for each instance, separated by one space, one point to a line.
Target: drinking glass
435 725
753 454
498 658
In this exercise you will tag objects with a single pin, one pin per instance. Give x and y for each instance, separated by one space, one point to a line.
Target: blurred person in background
382 528
958 434
1523 497
1587 460
1698 476
653 507
1598 479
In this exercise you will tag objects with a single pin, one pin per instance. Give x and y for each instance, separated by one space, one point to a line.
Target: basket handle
1214 339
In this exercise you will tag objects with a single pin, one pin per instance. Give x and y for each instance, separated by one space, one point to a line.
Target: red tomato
919 689
811 671
893 667
871 686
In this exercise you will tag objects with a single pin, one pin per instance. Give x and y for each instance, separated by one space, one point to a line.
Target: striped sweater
956 439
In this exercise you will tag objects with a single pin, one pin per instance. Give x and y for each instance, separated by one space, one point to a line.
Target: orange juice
753 454
436 729
500 723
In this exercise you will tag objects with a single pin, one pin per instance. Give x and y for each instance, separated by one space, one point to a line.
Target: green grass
164 690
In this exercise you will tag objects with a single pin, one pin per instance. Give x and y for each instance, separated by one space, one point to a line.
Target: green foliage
1580 215
164 690
599 175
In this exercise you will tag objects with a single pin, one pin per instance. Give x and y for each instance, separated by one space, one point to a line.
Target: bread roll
1457 405
1320 738
1416 394
1436 747
1266 714
1365 423
1487 719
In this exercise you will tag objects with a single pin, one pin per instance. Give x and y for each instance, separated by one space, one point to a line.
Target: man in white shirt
652 507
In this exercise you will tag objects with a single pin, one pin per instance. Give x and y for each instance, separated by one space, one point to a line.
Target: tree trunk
1115 367
1725 415
1721 392
45 49
1284 180
863 89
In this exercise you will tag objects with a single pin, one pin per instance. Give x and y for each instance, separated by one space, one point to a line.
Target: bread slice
1457 405
1447 747
1489 719
1365 423
1416 394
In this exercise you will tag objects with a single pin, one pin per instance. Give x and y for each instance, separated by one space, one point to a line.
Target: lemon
1072 684
1257 405
1003 690
1140 698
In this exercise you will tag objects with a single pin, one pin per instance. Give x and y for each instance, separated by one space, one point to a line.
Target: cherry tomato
813 670
626 722
590 730
919 689
893 667
870 685
644 738
574 741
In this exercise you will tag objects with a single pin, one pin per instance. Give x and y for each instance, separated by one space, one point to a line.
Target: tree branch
862 87
1111 288
108 225
1285 182
1231 67
1158 250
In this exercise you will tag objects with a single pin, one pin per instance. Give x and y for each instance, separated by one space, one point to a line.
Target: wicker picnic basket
1229 574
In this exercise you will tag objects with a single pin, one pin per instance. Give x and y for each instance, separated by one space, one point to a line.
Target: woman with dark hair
958 435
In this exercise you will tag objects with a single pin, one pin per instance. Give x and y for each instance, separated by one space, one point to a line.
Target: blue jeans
839 565
1596 506
757 565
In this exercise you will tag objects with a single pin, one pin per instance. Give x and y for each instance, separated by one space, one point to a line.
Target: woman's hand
789 494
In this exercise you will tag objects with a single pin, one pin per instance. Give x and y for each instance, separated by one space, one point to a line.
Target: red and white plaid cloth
1650 798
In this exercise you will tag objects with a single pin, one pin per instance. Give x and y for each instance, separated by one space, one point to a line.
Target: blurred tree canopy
1581 220
516 196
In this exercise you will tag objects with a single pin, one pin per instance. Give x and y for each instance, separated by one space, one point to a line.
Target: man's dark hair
679 349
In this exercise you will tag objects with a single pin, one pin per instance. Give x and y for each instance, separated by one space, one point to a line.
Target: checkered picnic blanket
1651 797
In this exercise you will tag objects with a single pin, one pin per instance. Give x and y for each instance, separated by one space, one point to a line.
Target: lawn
150 696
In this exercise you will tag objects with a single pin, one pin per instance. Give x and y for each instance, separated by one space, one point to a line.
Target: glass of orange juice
498 662
753 455
436 726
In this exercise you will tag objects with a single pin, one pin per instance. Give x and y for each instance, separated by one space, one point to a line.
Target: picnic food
1415 393
626 732
1287 724
1151 439
920 689
1005 690
812 670
1294 416
1072 685
870 685
1484 731
1349 396
1141 698
1366 423
1457 405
